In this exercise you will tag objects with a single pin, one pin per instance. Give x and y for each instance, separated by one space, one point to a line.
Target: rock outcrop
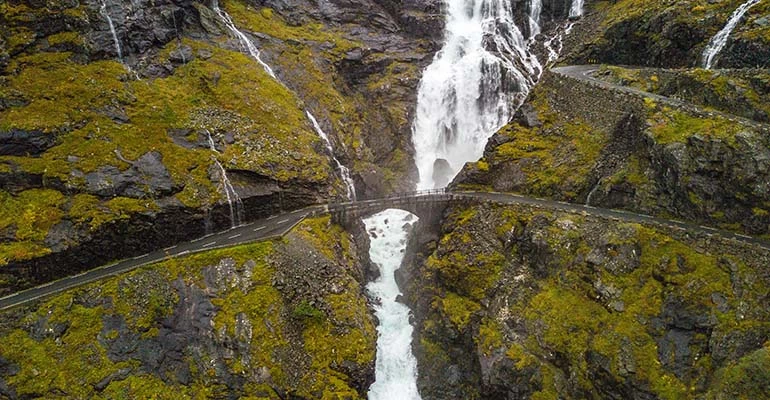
112 130
276 319
513 302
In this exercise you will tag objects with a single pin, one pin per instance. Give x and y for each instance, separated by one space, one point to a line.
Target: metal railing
390 199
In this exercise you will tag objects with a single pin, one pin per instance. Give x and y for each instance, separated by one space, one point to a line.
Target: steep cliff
670 33
119 119
283 319
584 143
518 303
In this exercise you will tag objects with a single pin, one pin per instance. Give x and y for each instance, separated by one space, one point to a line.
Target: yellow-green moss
457 308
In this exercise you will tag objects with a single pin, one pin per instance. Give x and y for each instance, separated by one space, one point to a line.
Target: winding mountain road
585 73
278 225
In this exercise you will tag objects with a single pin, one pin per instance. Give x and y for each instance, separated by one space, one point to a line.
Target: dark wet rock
527 116
147 176
442 172
181 55
43 328
118 375
16 142
17 180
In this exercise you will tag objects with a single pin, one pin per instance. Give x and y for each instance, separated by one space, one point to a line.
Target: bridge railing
393 198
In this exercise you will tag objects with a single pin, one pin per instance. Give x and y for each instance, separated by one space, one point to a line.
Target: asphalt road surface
585 73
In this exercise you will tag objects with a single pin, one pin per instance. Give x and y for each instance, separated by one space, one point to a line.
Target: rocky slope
576 142
108 137
519 303
284 319
670 33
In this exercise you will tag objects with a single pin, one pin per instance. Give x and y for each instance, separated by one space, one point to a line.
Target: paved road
279 225
585 73
272 227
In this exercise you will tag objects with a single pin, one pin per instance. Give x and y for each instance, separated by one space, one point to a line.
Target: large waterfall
535 9
480 76
718 42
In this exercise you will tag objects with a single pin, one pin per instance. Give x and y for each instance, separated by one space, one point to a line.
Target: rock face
547 304
576 142
23 143
274 320
127 128
669 35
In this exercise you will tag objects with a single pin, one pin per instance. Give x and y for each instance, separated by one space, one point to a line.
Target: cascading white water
718 42
231 196
344 171
255 54
577 9
242 38
396 367
233 200
106 15
535 9
480 76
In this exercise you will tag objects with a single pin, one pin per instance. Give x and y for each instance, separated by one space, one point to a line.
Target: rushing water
396 367
577 9
535 9
718 42
106 15
480 76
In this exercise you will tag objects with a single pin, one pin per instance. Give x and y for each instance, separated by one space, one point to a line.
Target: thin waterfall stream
256 55
106 15
231 196
718 42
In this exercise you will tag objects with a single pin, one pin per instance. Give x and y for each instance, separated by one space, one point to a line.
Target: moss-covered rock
668 33
128 139
582 307
576 142
273 319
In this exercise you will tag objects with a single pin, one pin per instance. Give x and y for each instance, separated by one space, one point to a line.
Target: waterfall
395 366
106 15
535 9
255 54
233 200
577 9
231 196
475 83
242 38
344 171
718 42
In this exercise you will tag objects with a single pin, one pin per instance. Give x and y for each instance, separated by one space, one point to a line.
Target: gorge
593 224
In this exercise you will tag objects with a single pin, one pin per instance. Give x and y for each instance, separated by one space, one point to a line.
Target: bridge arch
427 205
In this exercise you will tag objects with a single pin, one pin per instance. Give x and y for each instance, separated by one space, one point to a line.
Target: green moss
670 126
305 311
458 309
73 38
330 239
745 379
490 337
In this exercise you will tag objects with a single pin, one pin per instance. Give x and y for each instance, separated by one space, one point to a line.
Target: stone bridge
427 205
